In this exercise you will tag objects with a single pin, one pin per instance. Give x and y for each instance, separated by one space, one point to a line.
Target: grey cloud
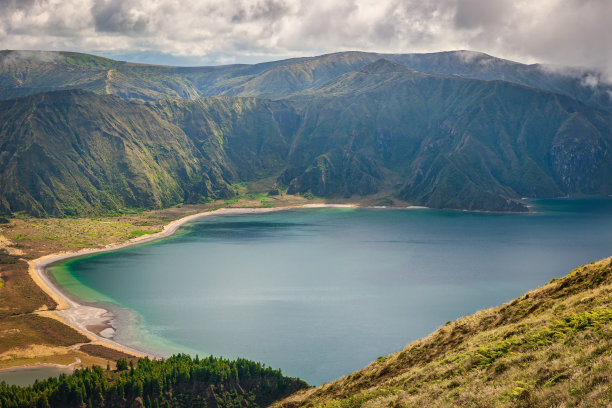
483 60
6 5
264 10
239 16
480 13
115 16
588 77
17 56
270 10
563 32
411 22
384 31
328 22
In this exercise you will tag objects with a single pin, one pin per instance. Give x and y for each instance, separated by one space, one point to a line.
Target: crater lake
320 293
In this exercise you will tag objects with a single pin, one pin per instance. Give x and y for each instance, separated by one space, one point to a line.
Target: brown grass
18 332
36 354
19 294
105 353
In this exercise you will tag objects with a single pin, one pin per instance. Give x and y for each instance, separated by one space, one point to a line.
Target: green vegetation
84 135
557 331
79 153
550 347
27 72
76 153
341 126
140 233
179 381
122 364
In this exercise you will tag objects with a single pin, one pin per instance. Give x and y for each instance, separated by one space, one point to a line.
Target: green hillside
439 141
247 138
551 347
83 135
444 141
476 65
74 152
27 72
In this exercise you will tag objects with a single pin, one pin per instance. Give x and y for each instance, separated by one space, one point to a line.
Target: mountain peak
383 66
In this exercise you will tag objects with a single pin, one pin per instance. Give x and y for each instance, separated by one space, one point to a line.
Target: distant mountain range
81 134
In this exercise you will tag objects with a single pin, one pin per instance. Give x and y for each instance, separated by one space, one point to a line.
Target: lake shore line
95 322
71 366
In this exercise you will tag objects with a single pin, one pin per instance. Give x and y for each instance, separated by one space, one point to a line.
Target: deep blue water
321 292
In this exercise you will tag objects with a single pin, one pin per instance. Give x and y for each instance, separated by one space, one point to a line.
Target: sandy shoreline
95 322
70 366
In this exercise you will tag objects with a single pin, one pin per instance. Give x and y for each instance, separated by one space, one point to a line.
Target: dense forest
179 381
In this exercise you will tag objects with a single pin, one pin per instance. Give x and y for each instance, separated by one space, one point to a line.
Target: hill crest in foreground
551 347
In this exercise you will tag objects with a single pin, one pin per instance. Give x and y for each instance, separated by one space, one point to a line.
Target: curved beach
94 322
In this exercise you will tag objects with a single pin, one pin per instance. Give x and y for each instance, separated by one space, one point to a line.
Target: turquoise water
322 292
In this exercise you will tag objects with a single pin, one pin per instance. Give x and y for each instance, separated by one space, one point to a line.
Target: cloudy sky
205 32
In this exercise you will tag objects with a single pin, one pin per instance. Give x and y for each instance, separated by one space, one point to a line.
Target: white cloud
590 80
564 32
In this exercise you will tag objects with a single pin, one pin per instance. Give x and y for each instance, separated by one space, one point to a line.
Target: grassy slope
76 151
469 64
551 347
382 128
444 141
27 72
247 138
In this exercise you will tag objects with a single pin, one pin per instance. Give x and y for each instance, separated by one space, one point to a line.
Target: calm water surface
26 376
322 292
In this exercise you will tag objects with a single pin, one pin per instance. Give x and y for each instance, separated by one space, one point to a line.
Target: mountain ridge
428 116
277 79
133 137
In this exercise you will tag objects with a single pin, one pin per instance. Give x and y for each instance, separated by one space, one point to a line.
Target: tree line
179 381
